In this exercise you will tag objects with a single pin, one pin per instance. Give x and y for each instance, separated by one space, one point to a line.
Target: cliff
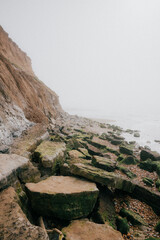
24 100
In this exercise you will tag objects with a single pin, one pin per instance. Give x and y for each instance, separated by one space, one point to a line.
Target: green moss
126 149
131 216
148 165
122 225
148 181
127 172
129 161
120 157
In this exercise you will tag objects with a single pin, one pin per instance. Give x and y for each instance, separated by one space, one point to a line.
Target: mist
97 55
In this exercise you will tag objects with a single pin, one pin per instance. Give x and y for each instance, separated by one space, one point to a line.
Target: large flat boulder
84 229
10 166
101 176
13 222
63 197
48 152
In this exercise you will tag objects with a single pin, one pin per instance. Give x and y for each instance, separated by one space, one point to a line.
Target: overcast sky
102 55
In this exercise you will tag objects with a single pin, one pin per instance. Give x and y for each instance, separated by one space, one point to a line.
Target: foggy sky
102 55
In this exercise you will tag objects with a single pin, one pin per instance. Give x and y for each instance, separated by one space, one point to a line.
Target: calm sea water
148 125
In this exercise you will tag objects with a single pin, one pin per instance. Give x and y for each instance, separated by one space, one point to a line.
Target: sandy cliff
24 99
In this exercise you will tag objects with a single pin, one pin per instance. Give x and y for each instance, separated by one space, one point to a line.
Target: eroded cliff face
24 100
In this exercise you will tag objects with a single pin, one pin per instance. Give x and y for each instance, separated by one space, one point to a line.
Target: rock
103 177
13 222
104 145
10 166
105 212
114 181
129 131
152 198
48 153
130 160
148 165
115 141
74 143
4 149
122 225
63 197
145 154
136 134
104 163
29 174
148 181
126 150
94 150
133 217
127 172
74 154
85 152
83 229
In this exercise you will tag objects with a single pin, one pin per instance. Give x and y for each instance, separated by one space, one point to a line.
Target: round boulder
63 197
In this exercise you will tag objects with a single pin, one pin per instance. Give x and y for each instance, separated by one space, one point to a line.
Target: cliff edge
24 99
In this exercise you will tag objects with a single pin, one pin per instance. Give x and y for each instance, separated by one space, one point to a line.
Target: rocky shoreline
78 180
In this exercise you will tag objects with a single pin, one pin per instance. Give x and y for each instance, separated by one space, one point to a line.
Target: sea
148 125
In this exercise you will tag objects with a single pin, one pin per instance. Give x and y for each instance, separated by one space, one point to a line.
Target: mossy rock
103 177
145 154
85 152
129 161
74 143
127 172
148 165
104 163
29 174
133 217
48 152
56 138
62 197
157 227
122 225
120 157
126 150
148 181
